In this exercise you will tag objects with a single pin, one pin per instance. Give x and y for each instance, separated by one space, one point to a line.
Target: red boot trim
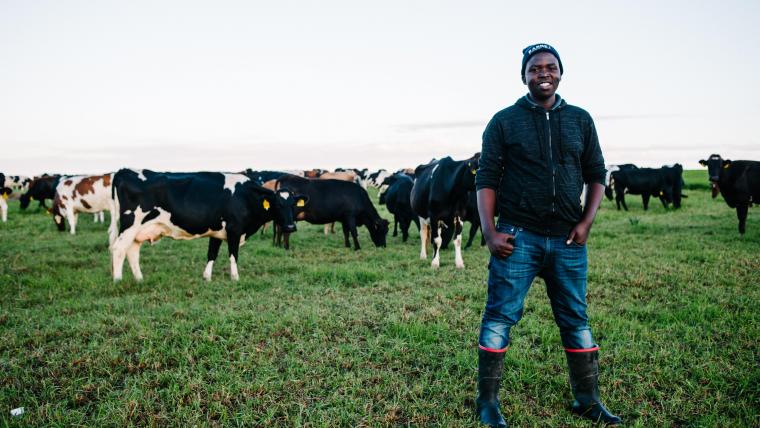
493 350
595 348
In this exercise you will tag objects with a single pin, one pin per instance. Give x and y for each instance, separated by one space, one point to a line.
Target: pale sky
93 86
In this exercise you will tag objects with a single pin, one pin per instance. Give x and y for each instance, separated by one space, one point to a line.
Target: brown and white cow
84 194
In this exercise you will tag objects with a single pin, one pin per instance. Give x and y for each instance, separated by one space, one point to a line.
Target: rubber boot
489 379
584 379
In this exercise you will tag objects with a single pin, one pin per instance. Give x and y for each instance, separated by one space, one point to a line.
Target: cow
338 175
84 193
4 194
17 184
645 182
40 188
221 206
674 178
396 198
737 181
337 201
376 178
439 198
608 179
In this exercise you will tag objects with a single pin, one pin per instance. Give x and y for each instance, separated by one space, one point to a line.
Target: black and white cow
738 182
608 179
376 178
646 182
337 201
439 198
396 198
217 205
40 188
5 192
18 185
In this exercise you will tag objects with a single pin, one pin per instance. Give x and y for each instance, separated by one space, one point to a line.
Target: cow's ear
703 162
266 204
726 164
301 201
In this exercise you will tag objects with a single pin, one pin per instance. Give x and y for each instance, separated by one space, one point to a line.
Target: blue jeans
563 267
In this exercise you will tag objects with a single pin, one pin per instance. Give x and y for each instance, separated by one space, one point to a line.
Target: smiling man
536 156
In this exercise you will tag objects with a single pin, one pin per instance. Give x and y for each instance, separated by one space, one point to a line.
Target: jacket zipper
551 162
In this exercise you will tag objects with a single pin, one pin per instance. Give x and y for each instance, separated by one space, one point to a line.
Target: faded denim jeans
563 267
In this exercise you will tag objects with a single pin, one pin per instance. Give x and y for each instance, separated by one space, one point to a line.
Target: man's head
541 70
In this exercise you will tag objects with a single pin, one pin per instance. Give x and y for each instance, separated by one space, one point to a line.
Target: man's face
542 76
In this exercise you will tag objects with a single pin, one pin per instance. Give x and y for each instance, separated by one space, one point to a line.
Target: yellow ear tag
300 203
5 196
474 171
727 166
266 205
661 193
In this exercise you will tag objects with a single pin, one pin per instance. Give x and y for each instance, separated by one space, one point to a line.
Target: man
536 156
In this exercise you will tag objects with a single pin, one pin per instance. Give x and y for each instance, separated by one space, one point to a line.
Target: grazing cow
40 188
17 184
83 194
645 182
396 198
738 182
439 198
337 201
339 175
608 179
193 205
4 193
376 178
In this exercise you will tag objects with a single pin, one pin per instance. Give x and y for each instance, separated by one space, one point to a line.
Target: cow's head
284 206
58 212
378 230
24 200
471 171
715 165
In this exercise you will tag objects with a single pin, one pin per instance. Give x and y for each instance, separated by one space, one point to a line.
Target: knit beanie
537 48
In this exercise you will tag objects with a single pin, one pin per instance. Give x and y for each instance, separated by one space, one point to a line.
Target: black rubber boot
584 379
489 379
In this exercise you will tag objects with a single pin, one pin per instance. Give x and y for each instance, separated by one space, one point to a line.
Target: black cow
40 188
396 198
674 177
738 182
645 182
608 179
222 206
439 198
337 201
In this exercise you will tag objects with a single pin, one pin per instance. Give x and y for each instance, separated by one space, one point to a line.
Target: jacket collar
527 102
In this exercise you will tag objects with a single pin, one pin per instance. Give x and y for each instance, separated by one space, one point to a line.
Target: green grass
325 336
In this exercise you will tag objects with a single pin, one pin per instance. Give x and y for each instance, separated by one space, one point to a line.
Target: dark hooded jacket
537 161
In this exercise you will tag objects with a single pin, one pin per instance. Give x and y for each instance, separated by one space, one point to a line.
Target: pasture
326 336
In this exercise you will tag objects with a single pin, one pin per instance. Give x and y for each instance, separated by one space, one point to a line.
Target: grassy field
325 336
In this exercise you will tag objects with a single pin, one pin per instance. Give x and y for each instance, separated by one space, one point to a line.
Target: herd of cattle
438 197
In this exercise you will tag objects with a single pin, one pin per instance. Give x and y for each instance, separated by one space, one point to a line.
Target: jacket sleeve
492 156
592 161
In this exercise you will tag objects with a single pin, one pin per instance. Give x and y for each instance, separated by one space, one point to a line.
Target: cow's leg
95 218
473 232
286 238
437 230
71 216
405 223
645 200
118 253
395 225
4 209
346 230
620 198
133 257
458 227
424 226
741 213
233 245
213 252
112 232
327 229
102 216
352 228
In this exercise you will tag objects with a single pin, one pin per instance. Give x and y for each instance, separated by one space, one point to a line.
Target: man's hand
579 234
500 245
